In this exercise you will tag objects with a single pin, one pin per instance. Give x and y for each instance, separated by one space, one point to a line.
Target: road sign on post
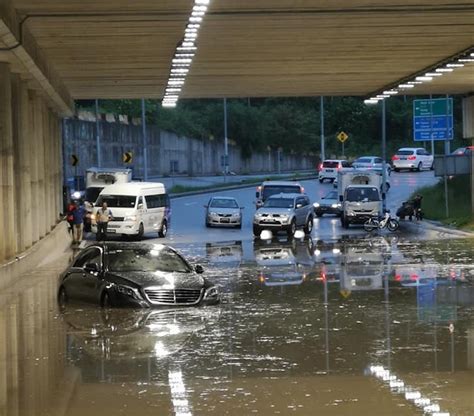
74 160
433 119
342 136
127 157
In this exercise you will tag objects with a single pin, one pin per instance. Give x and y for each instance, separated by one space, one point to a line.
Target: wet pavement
353 325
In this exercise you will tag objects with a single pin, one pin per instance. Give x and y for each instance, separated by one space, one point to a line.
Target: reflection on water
306 327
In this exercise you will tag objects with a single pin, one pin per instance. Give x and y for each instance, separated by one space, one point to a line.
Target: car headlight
130 218
128 291
211 293
335 205
316 205
213 214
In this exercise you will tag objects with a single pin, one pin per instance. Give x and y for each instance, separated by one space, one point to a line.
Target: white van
137 208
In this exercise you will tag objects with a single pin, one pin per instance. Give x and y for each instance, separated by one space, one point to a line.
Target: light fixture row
456 63
184 54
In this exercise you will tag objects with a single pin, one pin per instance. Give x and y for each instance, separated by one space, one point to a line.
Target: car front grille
225 215
118 219
173 296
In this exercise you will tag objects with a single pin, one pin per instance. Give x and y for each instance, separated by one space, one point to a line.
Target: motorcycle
387 221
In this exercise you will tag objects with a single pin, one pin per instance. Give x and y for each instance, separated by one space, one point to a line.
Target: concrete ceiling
247 48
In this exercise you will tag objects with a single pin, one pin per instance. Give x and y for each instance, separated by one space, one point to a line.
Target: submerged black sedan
135 275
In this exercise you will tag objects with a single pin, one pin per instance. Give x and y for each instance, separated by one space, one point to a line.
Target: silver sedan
223 211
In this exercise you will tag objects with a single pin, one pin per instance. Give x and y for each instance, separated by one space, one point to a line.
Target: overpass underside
54 51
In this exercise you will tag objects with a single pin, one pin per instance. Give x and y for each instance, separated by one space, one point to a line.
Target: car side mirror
140 206
299 206
242 207
199 269
92 268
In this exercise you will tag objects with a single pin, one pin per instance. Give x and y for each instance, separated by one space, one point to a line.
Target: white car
413 158
329 168
370 163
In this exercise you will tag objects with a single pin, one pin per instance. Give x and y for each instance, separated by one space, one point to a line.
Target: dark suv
284 212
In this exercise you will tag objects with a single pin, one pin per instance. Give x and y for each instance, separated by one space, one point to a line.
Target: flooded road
359 326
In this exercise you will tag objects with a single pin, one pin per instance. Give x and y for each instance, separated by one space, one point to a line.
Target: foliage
290 123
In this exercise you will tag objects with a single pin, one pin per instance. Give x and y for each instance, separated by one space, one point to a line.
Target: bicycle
387 221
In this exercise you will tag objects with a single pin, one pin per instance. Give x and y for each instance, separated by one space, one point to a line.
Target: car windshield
362 195
330 164
116 201
279 203
270 190
331 195
223 203
363 160
161 259
405 152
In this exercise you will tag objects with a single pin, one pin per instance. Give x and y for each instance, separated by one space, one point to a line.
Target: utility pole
226 144
97 134
323 151
145 143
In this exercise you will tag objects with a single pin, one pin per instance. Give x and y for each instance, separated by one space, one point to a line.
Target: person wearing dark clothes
417 207
71 207
78 224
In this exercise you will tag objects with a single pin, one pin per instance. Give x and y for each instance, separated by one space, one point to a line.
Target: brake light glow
395 157
411 157
302 190
320 167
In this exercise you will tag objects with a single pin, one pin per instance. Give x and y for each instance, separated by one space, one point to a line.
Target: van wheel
164 229
309 225
141 231
419 167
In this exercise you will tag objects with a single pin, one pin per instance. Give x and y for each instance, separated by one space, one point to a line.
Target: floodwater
370 326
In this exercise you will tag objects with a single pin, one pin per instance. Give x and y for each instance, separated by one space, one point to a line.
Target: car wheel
432 166
321 180
419 167
105 301
256 231
207 224
164 229
309 225
62 298
239 226
292 229
396 170
141 231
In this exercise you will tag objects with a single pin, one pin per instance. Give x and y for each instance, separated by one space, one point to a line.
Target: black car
135 275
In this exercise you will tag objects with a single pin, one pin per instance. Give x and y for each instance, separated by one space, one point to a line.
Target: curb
231 187
439 226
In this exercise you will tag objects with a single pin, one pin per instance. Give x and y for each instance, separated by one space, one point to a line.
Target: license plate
225 220
111 231
403 158
329 170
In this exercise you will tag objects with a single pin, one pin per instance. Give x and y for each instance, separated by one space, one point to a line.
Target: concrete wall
30 165
168 153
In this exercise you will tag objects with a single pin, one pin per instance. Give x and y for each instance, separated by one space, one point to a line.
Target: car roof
223 197
368 157
410 148
286 196
131 188
281 183
334 160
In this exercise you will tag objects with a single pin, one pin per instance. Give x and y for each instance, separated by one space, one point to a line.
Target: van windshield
116 201
405 152
92 193
269 190
362 195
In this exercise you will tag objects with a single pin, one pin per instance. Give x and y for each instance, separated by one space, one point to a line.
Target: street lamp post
323 150
226 144
384 156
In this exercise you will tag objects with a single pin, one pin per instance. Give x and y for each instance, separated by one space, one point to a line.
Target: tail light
398 277
320 167
395 157
302 189
414 277
411 157
259 188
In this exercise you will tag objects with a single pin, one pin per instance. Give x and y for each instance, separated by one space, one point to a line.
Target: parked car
329 204
223 211
413 158
461 151
135 275
269 188
370 162
329 168
284 212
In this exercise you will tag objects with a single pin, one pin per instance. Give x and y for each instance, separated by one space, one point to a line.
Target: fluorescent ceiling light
193 26
205 2
186 48
173 90
444 69
466 60
179 70
371 101
423 79
454 65
168 104
200 8
390 92
382 96
195 19
182 60
406 86
414 82
434 74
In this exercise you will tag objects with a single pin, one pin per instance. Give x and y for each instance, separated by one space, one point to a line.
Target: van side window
157 201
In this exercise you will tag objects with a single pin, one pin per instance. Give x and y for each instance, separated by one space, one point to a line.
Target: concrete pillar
7 196
23 147
34 169
468 133
39 154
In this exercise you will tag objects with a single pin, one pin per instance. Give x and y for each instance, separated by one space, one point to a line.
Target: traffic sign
345 293
127 157
433 119
342 136
74 160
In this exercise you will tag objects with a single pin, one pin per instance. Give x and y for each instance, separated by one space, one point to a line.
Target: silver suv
284 212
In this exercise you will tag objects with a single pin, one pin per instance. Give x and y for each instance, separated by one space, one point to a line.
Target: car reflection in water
133 334
283 263
227 254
